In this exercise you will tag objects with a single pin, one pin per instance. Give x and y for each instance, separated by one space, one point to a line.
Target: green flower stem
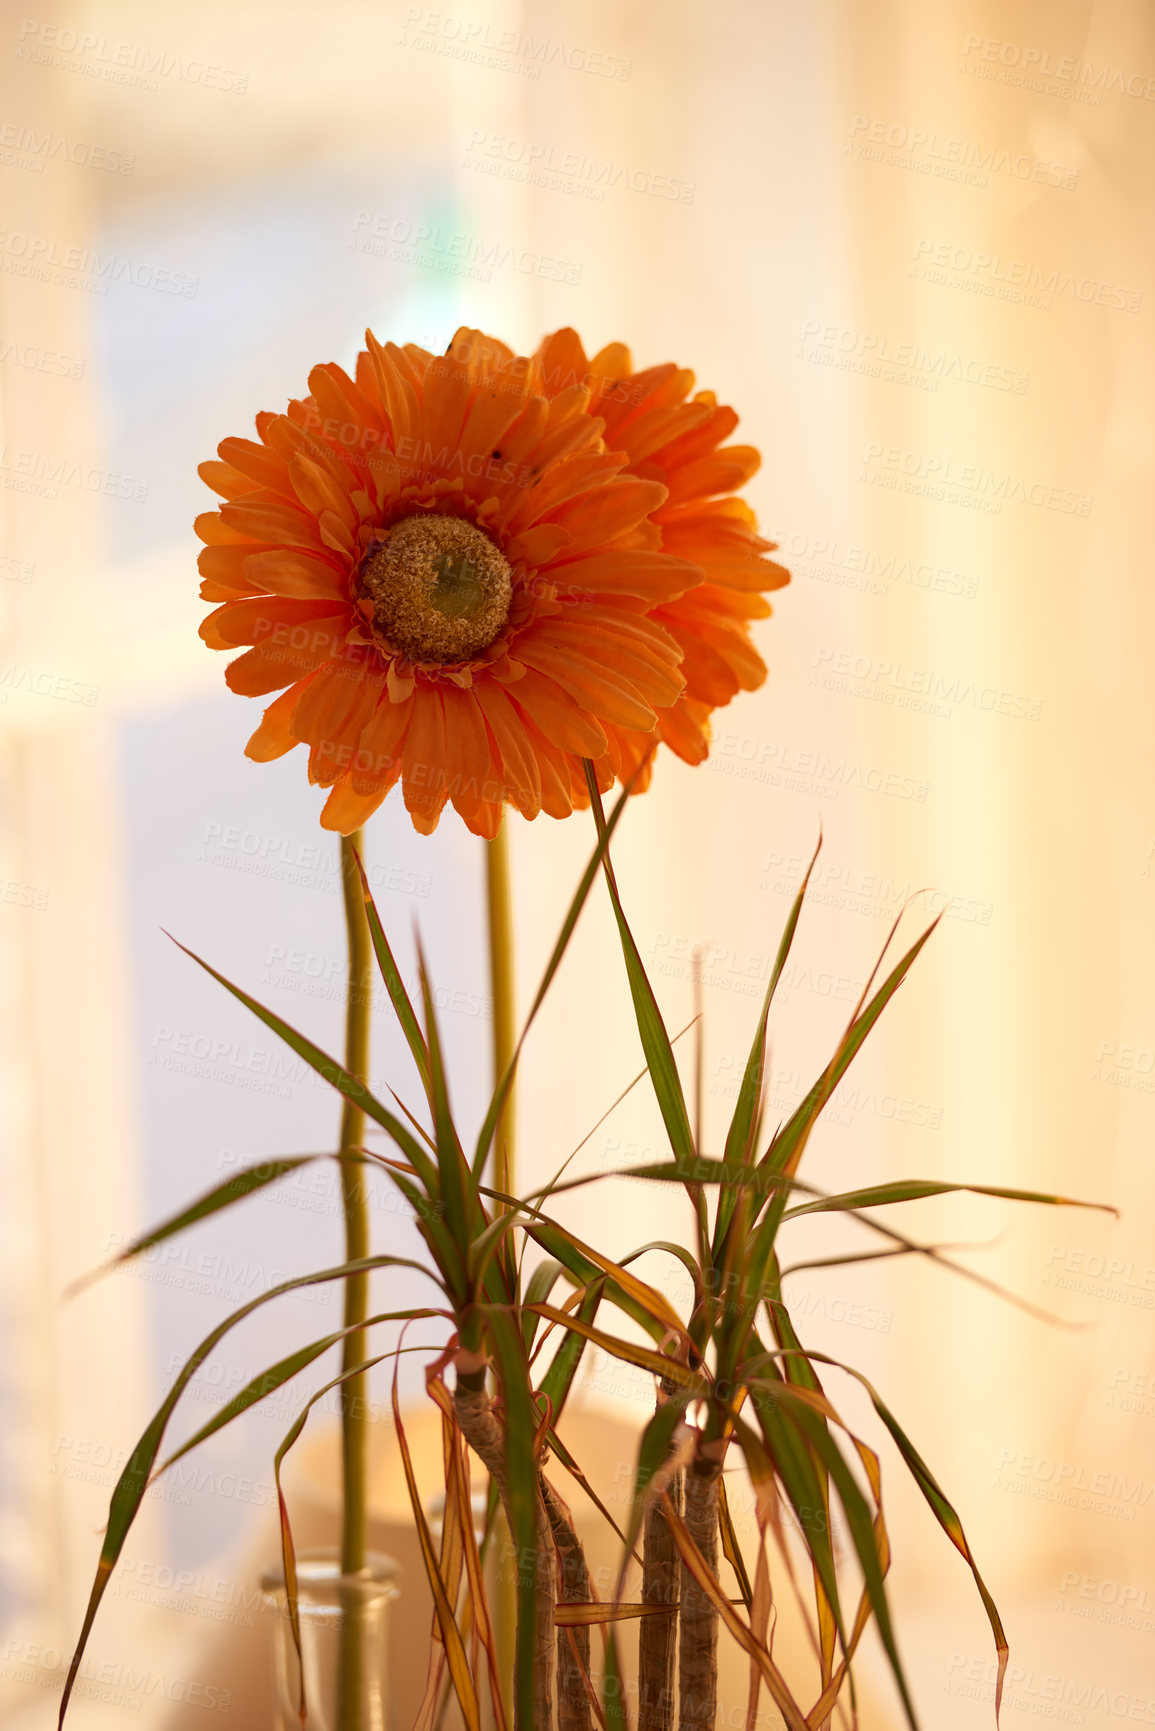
354 1393
500 919
499 905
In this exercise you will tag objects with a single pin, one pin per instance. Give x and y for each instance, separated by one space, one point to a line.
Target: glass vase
344 1643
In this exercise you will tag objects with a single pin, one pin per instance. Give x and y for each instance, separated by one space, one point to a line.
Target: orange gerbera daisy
455 580
675 439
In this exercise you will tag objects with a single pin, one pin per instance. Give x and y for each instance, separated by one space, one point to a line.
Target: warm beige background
835 153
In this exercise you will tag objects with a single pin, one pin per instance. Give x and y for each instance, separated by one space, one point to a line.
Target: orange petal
225 566
718 664
347 807
537 546
214 532
651 667
443 411
561 483
272 665
262 466
656 428
398 397
560 717
225 480
553 768
613 362
256 618
719 472
290 571
318 491
425 784
491 413
520 775
685 728
337 536
486 357
273 521
521 438
653 577
607 694
211 590
474 780
560 363
705 437
293 435
344 411
335 708
274 737
379 752
609 511
570 429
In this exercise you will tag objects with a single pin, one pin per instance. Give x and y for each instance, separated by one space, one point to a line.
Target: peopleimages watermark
45 259
1132 1391
788 1087
87 1461
312 975
926 152
826 559
1121 1065
945 480
319 1188
35 359
865 892
1082 80
1045 1694
23 146
257 1069
67 49
191 1591
1119 1279
1105 1601
571 171
733 969
182 1477
209 1274
916 364
507 50
113 1682
851 1313
454 252
304 865
59 687
803 769
15 894
1017 280
922 688
37 473
217 1383
1101 1492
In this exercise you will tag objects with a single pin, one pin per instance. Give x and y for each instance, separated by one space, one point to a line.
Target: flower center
439 587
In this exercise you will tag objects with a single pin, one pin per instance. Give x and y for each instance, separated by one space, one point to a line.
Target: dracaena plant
739 1372
731 1376
503 581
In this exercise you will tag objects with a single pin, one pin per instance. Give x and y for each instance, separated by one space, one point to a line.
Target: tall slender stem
499 909
354 1402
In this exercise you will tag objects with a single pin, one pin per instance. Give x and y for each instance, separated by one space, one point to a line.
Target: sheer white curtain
69 1380
909 244
917 259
